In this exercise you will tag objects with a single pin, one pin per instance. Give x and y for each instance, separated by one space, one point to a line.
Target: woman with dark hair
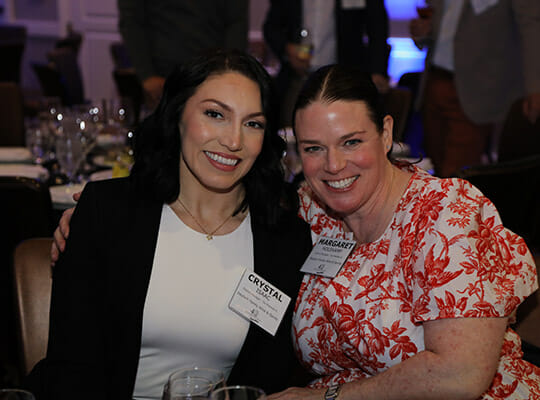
422 305
153 260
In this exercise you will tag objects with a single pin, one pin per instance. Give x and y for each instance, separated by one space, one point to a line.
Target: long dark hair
157 141
342 82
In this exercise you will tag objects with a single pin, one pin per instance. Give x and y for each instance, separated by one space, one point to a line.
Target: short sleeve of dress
467 263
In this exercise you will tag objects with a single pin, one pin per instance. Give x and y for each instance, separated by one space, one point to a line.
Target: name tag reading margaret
328 256
259 301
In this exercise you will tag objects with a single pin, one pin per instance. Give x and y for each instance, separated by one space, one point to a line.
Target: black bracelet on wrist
332 392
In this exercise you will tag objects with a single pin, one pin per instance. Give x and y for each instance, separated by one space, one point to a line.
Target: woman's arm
459 362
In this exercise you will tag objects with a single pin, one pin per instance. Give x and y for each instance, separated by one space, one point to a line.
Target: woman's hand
61 232
296 393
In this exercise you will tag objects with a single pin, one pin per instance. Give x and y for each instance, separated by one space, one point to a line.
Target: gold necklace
209 235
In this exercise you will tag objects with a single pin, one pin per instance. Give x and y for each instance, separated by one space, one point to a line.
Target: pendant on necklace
209 237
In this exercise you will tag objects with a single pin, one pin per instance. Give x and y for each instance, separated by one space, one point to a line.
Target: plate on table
101 175
110 139
15 155
62 195
27 170
101 160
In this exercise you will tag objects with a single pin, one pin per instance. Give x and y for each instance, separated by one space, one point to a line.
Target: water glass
37 139
193 382
69 149
238 393
15 394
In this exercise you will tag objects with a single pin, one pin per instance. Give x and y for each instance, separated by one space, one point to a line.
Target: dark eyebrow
226 107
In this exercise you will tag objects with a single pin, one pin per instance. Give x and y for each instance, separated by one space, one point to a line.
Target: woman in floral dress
422 306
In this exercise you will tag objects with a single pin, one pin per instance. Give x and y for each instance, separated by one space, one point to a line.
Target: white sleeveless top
186 318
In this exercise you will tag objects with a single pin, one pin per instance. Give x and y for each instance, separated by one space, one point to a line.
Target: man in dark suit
159 34
346 31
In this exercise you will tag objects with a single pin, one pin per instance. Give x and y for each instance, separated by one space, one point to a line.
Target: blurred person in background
307 34
482 56
159 34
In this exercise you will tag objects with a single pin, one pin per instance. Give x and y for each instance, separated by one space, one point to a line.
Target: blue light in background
404 57
401 9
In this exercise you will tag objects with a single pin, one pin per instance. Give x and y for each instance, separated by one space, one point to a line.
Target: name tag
328 256
350 4
259 301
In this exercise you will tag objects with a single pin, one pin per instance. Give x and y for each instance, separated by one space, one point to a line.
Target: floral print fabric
444 255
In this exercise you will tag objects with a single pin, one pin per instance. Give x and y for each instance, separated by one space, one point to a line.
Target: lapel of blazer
134 267
262 267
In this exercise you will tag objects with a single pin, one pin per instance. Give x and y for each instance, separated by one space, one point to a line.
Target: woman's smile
222 159
342 184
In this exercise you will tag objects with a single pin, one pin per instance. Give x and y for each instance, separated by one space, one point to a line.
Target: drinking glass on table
15 394
69 149
38 139
238 393
193 382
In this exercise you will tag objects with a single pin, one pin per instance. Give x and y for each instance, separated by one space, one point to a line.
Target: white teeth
221 160
343 183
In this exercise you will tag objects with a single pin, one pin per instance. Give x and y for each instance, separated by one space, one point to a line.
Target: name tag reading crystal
260 302
328 256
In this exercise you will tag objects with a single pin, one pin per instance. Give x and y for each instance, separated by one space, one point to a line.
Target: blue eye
213 114
311 149
352 142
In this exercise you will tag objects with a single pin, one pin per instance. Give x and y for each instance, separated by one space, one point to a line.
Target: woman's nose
232 137
335 161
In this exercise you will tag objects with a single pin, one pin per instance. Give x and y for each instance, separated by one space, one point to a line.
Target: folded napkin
15 154
26 170
62 195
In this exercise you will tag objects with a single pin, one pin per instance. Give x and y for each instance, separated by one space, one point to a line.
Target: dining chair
72 40
518 137
25 212
120 56
65 61
130 90
32 283
11 114
12 44
50 81
514 187
397 103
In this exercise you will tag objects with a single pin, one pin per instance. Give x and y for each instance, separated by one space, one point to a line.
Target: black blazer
99 289
284 19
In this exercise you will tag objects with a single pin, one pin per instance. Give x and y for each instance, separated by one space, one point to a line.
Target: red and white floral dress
444 255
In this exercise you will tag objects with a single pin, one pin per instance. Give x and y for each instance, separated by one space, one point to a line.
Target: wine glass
238 393
193 382
15 394
69 148
188 389
37 138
